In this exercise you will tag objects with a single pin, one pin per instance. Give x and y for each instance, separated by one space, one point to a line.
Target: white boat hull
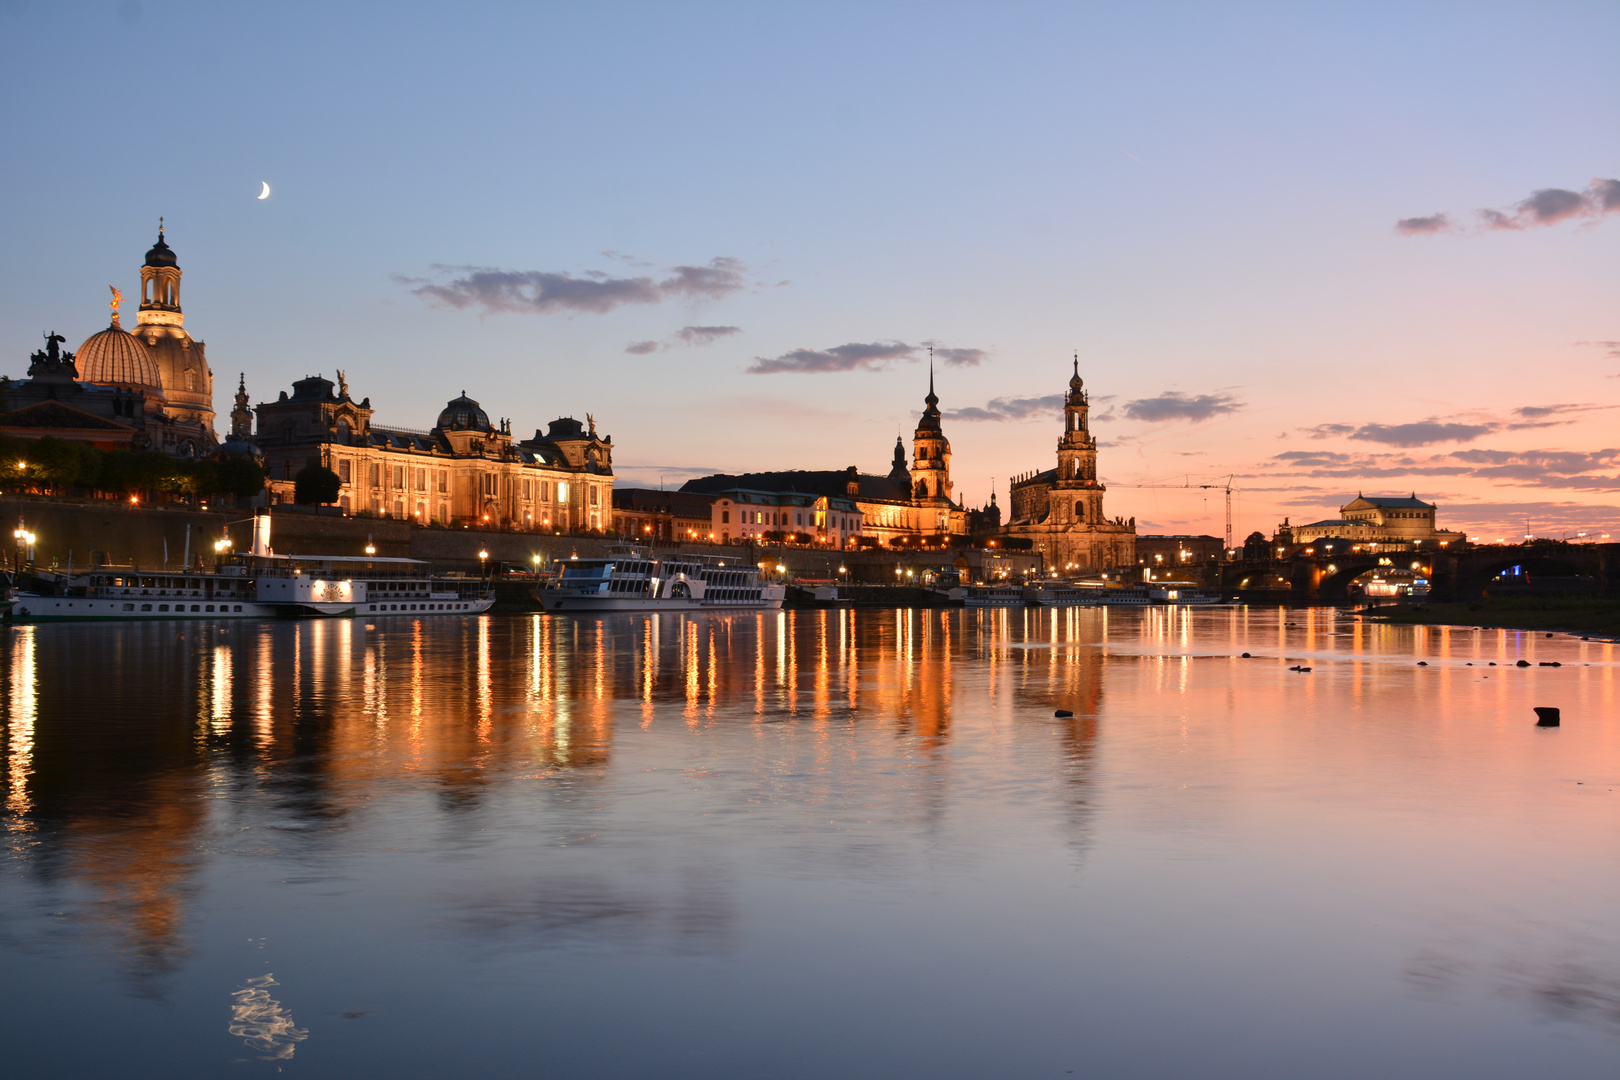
566 601
35 608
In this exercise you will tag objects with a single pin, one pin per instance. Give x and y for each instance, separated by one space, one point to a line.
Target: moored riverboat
254 587
631 579
994 596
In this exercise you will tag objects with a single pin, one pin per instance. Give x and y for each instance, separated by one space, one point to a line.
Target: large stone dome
463 414
117 357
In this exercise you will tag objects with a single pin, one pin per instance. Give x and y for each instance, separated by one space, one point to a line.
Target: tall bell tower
188 383
930 452
1077 449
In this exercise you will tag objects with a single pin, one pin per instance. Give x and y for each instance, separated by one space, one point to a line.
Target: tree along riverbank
1582 615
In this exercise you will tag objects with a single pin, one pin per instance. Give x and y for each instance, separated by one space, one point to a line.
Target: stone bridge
1463 574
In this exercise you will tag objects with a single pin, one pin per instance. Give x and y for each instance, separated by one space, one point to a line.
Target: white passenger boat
630 579
994 596
1183 595
1122 596
1061 593
256 587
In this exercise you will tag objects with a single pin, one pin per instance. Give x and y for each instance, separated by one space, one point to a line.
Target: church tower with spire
242 415
930 455
1061 509
1077 449
187 382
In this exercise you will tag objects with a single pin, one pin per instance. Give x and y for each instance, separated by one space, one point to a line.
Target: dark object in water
1423 663
1549 635
1551 663
1296 667
1546 716
1245 656
1493 663
1062 714
1522 663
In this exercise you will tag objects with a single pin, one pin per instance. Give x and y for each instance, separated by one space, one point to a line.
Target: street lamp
24 539
535 558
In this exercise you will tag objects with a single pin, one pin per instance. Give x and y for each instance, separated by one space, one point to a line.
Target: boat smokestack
261 531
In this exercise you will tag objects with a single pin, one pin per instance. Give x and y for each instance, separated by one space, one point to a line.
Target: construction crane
1186 482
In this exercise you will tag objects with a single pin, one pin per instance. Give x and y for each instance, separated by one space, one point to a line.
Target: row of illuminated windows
412 478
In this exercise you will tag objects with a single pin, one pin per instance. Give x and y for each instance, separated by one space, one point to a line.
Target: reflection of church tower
188 384
931 454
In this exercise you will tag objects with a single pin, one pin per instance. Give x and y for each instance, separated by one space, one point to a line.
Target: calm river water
809 844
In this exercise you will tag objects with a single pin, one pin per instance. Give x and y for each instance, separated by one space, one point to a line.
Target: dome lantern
463 414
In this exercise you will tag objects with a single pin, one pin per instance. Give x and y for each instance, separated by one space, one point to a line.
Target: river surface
809 844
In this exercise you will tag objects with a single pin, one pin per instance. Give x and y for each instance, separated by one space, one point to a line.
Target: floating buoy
1423 663
1522 663
1546 716
1063 714
1245 656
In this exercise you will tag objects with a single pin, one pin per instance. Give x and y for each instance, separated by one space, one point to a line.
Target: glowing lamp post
483 561
25 539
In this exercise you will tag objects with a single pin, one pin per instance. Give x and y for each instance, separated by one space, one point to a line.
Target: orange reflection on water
497 703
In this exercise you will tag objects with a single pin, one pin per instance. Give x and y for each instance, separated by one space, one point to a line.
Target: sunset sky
1322 249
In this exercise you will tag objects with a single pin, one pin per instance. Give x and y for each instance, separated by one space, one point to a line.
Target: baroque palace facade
913 500
1060 510
464 471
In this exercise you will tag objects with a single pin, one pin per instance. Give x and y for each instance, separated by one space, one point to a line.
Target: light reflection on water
807 843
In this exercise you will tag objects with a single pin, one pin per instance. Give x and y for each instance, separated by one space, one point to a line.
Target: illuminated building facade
465 470
913 500
1377 519
1060 510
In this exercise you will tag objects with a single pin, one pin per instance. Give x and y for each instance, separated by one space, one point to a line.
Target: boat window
163 607
129 607
146 607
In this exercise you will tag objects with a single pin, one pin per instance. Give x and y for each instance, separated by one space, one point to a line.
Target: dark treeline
58 466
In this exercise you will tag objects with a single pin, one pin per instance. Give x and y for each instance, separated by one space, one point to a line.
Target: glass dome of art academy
115 357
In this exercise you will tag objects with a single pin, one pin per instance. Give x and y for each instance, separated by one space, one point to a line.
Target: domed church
150 388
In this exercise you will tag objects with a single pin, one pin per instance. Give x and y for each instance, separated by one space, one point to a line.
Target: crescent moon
265 194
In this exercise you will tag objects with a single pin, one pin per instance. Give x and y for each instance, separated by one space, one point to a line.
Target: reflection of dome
161 254
463 414
116 356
